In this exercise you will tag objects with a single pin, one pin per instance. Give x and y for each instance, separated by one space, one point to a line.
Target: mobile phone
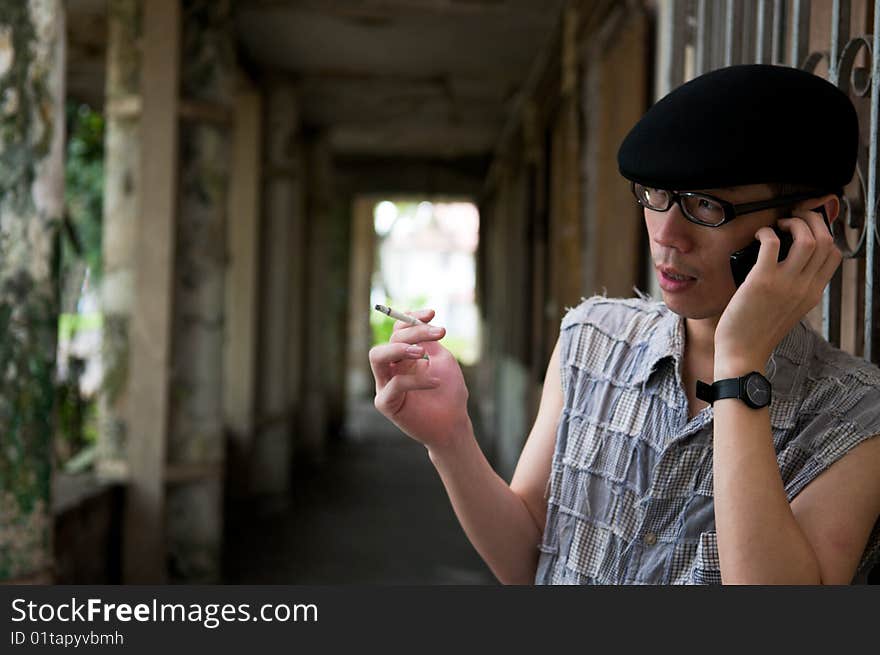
742 261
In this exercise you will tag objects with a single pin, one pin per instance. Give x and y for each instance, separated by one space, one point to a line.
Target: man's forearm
494 518
759 540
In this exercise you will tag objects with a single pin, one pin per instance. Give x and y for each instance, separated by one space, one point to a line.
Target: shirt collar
668 336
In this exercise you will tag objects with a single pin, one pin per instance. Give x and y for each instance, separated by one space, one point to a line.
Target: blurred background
200 202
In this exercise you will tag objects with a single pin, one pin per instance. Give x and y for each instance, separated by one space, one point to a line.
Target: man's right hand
427 399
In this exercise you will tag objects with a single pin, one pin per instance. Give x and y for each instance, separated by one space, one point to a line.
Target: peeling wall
31 198
196 434
557 221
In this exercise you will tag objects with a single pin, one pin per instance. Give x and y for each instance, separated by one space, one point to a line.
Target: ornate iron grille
696 36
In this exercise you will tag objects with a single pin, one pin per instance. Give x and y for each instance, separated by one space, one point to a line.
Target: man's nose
673 230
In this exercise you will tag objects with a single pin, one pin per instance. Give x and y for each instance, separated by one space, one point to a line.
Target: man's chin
690 310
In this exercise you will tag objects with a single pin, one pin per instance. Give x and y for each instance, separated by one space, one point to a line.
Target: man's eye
707 204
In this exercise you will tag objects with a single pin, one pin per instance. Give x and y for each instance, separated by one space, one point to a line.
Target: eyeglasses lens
656 199
703 209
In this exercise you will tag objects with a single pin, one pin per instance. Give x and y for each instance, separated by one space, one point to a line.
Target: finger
804 246
824 241
424 315
418 334
806 209
383 356
829 267
390 399
768 254
822 230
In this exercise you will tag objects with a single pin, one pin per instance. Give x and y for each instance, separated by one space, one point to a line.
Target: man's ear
831 203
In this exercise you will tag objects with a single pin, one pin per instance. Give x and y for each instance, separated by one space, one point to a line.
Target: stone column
281 261
196 439
613 98
176 444
242 287
359 378
31 204
122 180
328 241
149 361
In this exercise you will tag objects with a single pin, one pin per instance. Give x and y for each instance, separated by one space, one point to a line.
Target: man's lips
668 270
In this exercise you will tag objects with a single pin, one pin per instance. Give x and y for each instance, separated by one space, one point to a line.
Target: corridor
376 513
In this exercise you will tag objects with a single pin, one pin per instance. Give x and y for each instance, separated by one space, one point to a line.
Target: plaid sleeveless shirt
630 497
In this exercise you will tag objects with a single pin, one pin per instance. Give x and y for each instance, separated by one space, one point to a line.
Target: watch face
758 390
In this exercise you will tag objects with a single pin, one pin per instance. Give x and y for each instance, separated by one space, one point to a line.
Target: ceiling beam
382 10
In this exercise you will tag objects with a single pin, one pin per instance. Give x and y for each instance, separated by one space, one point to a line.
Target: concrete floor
377 513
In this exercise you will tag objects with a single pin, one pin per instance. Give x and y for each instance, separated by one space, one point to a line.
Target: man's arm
505 522
762 539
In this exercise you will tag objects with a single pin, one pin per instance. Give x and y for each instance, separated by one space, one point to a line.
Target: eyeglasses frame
731 211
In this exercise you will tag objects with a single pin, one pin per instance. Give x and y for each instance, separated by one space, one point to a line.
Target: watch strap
728 388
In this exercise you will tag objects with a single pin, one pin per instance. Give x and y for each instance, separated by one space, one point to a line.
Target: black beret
749 124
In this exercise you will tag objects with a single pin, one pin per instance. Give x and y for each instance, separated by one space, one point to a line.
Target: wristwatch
752 388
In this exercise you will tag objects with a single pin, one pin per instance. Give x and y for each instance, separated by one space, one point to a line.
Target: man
767 471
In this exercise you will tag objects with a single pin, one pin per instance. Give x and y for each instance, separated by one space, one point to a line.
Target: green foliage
383 325
77 427
77 415
84 188
70 324
382 328
80 251
462 349
70 406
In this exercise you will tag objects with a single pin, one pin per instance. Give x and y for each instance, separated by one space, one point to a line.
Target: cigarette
393 313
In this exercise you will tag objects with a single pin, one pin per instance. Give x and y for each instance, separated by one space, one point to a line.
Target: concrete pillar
242 287
297 249
565 225
614 97
565 218
359 379
329 236
196 439
144 545
31 205
176 444
535 204
281 265
122 179
510 356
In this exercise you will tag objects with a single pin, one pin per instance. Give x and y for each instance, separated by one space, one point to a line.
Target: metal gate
696 36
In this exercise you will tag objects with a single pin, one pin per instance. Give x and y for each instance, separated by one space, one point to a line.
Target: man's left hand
776 295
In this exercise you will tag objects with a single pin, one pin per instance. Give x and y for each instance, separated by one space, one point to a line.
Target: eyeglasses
703 209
